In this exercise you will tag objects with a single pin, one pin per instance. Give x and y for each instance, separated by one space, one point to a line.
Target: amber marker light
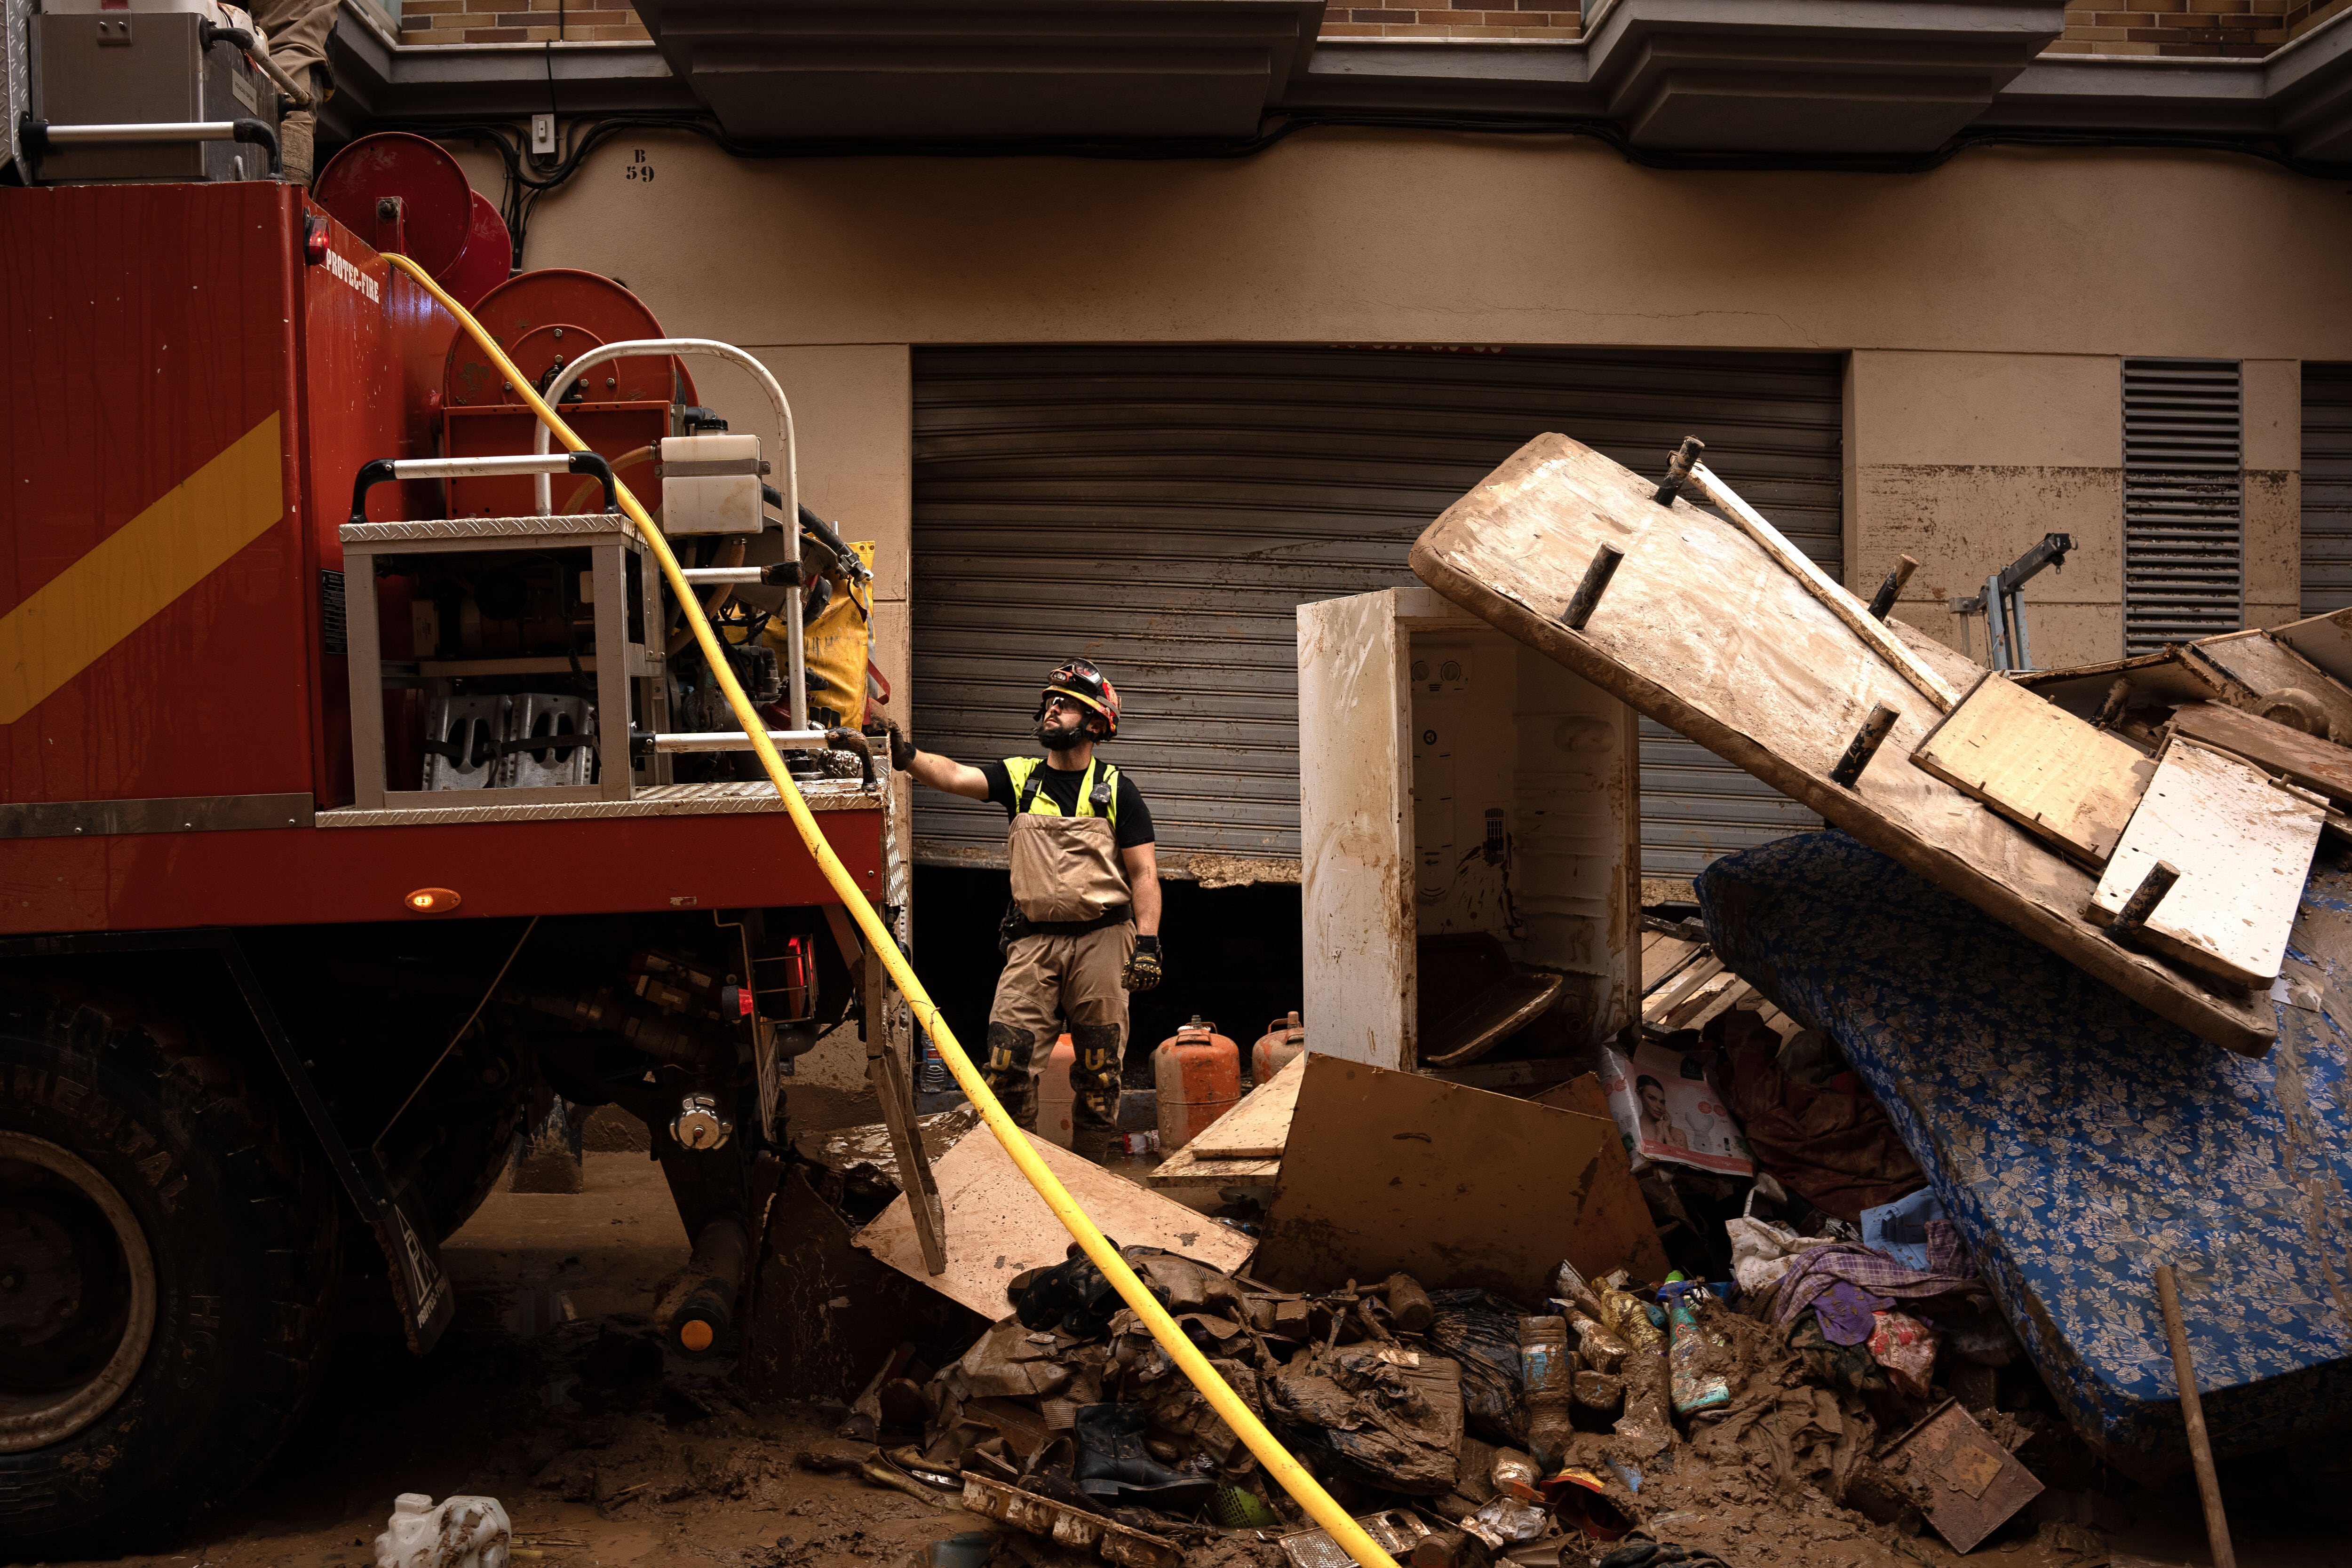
432 900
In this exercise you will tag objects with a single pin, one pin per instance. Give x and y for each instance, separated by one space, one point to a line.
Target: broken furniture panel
2320 766
1708 633
1967 1485
2148 680
1398 1173
2039 766
2325 639
1457 790
2277 683
2243 848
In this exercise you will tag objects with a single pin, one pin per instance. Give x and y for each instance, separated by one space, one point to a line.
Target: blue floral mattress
2077 1140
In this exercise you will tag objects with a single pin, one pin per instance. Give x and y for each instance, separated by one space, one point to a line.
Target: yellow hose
1287 1471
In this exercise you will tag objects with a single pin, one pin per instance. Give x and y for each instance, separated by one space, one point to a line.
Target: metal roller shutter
2184 552
1165 510
2326 488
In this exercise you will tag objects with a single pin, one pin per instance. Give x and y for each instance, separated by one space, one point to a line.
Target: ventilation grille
2326 488
333 635
2184 520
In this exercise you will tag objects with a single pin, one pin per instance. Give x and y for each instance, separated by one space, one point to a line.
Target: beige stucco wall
1985 305
1964 461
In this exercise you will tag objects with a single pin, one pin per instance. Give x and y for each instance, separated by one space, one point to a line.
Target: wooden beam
1828 590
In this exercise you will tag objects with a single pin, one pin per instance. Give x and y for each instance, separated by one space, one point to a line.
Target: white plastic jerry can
462 1532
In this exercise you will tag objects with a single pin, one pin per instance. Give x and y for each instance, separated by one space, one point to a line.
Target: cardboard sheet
1703 632
998 1225
1393 1173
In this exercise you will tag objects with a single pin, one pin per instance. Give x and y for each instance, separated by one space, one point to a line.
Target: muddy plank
1186 1169
2317 765
2039 766
2243 848
1703 632
998 1225
1258 1126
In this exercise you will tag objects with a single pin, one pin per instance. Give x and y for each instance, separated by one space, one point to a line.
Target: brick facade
2213 29
517 21
2217 29
1544 19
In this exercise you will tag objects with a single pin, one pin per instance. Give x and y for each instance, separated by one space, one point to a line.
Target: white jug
463 1532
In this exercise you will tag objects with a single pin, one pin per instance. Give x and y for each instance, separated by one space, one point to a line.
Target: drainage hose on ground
1287 1471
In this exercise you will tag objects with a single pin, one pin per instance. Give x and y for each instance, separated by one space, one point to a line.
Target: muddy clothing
1049 983
1067 827
298 32
1067 937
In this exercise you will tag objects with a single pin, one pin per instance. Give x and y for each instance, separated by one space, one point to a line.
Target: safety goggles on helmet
1083 684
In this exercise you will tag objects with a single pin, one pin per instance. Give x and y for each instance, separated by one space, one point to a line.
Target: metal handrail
796 682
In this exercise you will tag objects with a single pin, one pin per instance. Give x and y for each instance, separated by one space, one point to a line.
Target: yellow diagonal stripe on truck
71 621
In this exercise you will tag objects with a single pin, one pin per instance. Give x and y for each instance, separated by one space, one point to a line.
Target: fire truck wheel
167 1253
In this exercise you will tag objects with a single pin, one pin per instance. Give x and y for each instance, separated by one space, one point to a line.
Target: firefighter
297 31
1083 928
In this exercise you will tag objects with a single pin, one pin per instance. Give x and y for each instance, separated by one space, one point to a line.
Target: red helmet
1080 682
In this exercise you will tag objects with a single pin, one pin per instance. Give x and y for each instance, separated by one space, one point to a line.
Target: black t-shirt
1132 818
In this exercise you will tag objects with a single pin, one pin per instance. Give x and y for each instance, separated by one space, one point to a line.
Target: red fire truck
360 795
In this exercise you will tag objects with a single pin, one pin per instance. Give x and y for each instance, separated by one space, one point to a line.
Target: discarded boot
1113 1462
1072 1296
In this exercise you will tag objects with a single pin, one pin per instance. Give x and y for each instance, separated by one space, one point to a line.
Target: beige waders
1070 888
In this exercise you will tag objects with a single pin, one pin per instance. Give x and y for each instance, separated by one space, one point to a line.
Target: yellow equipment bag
836 645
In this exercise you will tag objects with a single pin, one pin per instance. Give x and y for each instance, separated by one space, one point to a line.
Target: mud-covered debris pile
1463 1428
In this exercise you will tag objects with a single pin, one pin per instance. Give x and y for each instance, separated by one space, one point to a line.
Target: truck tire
167 1259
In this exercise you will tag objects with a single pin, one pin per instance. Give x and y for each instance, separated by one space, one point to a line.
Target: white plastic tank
462 1532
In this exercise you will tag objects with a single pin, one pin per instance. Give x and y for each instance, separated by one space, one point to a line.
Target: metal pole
1995 632
2024 659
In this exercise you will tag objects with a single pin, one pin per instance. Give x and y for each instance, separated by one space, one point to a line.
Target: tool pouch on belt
1065 870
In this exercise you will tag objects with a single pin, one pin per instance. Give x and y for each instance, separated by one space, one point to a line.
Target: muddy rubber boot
1093 1143
1113 1462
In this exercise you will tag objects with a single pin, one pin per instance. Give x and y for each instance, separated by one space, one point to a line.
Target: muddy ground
606 1452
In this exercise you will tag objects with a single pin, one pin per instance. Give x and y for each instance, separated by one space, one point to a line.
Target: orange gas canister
1053 1096
1283 1040
1199 1074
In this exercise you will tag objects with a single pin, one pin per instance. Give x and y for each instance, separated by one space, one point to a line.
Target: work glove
1142 971
902 750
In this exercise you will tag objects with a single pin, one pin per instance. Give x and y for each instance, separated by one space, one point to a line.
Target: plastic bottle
1053 1095
1285 1040
1695 1388
1547 1372
462 1532
1198 1073
1647 1422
